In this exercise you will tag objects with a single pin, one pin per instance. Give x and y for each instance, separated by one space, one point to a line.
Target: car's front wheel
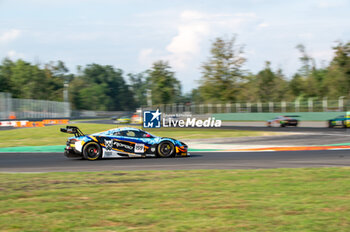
166 149
92 151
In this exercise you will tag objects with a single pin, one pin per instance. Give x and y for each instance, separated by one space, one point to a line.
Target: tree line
223 79
94 87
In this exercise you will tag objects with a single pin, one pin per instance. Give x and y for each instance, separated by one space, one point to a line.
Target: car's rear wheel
92 151
166 149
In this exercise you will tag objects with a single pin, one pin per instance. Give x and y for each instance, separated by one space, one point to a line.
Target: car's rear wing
72 130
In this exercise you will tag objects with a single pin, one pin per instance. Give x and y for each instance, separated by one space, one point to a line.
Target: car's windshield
133 133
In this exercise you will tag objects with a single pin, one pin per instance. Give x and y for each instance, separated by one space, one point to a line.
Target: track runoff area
297 147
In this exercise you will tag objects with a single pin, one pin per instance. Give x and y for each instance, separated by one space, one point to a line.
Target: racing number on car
139 148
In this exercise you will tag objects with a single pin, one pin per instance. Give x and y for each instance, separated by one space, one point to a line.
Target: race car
123 120
136 118
283 121
121 142
341 120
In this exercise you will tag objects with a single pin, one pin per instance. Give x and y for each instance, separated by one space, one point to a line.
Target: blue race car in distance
121 142
342 121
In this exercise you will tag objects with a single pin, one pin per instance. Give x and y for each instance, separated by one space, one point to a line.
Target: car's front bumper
182 151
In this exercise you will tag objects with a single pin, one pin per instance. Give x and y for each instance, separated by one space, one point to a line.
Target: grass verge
88 119
51 135
314 199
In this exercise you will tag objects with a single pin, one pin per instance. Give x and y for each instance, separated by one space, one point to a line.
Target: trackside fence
325 105
12 108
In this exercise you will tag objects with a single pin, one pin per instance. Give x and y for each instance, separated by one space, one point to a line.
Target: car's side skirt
114 153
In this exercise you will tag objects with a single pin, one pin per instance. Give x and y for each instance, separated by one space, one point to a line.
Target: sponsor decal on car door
115 147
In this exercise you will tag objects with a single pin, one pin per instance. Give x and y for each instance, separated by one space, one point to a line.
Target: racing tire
283 125
92 151
166 149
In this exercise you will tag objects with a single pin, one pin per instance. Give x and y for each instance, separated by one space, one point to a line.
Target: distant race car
340 121
121 142
283 121
136 118
123 120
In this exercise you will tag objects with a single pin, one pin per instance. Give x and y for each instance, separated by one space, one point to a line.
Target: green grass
314 199
50 135
88 119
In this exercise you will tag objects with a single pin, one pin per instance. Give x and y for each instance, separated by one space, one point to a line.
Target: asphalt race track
56 162
311 127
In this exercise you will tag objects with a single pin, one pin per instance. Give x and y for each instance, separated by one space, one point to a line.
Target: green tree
271 86
309 81
297 86
25 80
248 89
337 76
222 74
196 96
314 83
165 88
282 91
336 82
75 96
28 81
139 86
342 58
306 61
5 75
100 87
56 74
